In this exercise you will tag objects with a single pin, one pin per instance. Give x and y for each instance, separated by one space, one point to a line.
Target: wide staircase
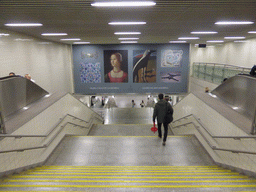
134 178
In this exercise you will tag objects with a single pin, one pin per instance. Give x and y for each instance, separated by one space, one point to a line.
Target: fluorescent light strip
240 41
81 43
132 38
188 38
234 23
215 41
203 32
127 33
123 4
129 42
4 34
252 32
23 24
54 34
234 37
177 41
127 23
74 39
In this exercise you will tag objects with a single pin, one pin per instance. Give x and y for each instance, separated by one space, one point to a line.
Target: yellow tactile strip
128 177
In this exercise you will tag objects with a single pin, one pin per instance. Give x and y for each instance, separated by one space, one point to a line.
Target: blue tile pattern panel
90 72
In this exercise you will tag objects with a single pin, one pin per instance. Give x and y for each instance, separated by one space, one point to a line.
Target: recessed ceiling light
20 39
4 34
203 32
241 41
234 23
127 33
81 42
131 38
129 42
54 34
177 41
123 4
23 24
215 41
189 38
234 37
127 23
71 39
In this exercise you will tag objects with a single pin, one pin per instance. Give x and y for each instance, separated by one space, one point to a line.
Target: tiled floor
129 151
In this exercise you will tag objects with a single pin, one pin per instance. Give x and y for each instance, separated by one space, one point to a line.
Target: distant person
168 99
133 103
11 74
142 104
160 110
253 71
207 90
27 76
225 79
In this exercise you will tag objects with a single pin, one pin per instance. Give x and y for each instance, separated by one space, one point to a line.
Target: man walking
160 110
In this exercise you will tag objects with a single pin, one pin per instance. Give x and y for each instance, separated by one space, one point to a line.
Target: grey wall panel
240 93
17 92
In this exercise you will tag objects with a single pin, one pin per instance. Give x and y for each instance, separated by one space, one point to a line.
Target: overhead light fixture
188 38
20 39
4 34
203 32
124 4
215 41
127 33
177 41
71 39
234 23
240 41
81 42
23 24
252 32
129 42
127 23
54 34
234 37
131 38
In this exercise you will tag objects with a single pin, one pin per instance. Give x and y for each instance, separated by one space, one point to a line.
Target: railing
46 135
216 73
219 137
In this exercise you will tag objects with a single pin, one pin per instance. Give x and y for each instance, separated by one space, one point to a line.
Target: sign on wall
162 68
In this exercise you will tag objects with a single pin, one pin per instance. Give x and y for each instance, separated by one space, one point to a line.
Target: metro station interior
69 128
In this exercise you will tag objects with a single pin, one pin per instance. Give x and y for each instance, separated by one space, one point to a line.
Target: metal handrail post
254 123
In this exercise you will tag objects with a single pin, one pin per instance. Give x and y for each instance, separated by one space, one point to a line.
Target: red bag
154 128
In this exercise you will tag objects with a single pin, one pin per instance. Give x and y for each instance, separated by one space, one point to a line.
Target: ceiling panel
166 21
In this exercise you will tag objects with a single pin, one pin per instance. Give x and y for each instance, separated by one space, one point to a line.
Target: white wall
48 63
238 54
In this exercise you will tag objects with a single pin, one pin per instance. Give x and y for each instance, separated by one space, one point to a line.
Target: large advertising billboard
131 68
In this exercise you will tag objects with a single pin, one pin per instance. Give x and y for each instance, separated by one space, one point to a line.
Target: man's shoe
163 143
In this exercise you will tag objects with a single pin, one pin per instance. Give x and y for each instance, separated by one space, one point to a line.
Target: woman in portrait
116 75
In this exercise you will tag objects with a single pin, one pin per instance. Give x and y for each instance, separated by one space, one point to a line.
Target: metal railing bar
41 146
218 137
77 118
61 120
234 151
206 140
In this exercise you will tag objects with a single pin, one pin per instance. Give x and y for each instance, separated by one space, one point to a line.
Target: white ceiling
166 21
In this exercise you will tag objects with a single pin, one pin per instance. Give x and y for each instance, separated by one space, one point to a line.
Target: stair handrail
46 135
212 146
49 142
218 137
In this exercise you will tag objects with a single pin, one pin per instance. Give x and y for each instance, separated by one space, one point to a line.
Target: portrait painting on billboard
116 66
